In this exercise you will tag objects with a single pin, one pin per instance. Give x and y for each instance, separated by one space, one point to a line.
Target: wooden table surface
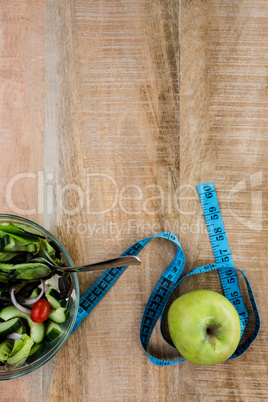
111 112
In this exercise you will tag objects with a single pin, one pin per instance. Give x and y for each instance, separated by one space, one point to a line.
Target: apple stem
212 333
212 330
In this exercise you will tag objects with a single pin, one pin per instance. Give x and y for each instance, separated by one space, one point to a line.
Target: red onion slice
14 336
29 302
16 304
69 291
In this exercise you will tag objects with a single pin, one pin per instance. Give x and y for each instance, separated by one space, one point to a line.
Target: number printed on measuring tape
215 226
171 278
221 249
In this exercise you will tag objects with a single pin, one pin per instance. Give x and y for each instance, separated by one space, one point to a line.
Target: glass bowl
73 304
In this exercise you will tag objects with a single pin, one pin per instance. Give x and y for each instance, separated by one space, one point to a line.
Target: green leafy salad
31 309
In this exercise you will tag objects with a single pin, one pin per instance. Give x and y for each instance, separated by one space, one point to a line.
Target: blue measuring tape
171 278
221 250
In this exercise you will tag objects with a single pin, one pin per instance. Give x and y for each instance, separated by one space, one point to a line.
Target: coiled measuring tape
171 278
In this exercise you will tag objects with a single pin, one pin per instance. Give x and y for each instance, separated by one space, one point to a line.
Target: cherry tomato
40 311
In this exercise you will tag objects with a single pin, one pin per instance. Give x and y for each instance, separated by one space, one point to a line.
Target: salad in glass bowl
38 302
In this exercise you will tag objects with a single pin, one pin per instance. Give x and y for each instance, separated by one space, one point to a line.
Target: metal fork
112 263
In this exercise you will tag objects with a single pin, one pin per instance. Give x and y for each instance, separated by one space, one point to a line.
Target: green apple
204 326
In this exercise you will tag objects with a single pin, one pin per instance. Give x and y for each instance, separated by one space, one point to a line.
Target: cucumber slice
37 331
5 349
53 331
7 243
53 297
7 327
20 331
20 353
26 290
35 293
60 315
29 248
36 351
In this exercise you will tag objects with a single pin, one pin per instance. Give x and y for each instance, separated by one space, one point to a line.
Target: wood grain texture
22 120
116 110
